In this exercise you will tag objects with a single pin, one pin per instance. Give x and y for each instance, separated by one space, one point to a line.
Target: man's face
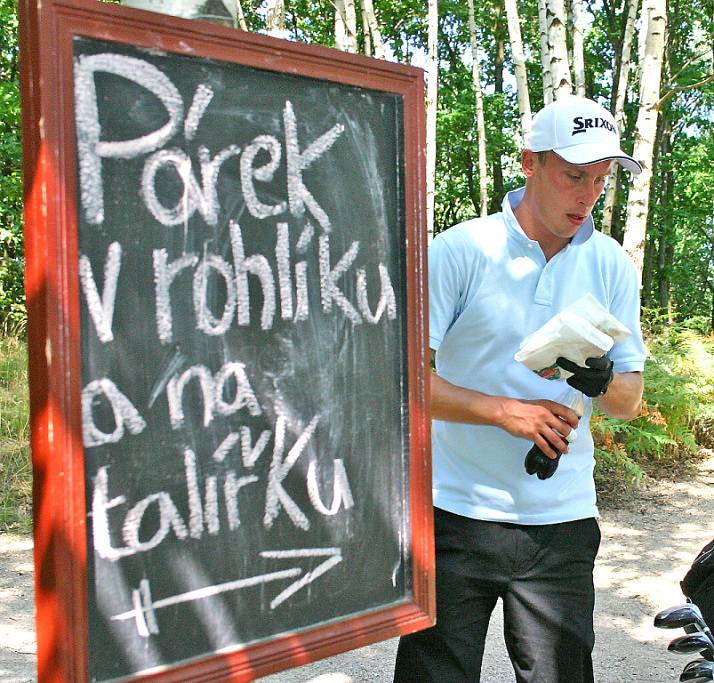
564 194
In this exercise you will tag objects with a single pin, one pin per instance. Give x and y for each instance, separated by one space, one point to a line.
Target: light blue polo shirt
489 287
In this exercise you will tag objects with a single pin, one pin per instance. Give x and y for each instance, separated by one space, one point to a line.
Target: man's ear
528 161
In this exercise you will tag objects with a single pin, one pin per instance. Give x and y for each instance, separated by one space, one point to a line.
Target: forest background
488 67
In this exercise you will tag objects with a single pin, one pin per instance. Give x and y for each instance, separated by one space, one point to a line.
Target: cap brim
585 155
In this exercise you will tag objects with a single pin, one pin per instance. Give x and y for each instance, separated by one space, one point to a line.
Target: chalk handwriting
101 309
101 503
292 291
212 392
206 322
276 495
299 196
270 282
387 300
201 99
125 414
204 500
256 265
203 198
265 174
195 197
341 494
329 290
164 275
90 149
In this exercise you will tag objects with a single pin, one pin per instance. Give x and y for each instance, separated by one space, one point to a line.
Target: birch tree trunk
655 22
545 53
497 173
651 237
619 113
368 11
351 24
519 65
578 46
480 123
241 17
432 91
345 25
558 49
365 32
275 18
340 27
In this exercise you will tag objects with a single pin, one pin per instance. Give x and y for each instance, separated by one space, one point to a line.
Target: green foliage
680 285
690 232
12 298
15 469
679 394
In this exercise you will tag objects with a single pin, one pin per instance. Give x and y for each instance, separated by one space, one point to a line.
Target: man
501 533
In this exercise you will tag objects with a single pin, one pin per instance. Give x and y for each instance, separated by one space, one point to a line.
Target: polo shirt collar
513 199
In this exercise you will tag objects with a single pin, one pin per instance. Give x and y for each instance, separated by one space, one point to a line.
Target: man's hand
593 380
546 423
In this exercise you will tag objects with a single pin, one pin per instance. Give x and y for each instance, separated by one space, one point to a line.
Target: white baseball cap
579 131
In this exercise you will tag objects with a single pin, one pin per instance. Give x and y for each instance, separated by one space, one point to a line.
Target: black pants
543 574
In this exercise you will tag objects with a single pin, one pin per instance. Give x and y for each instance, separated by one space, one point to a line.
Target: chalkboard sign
225 283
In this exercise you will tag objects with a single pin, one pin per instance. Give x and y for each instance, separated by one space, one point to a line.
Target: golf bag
694 617
698 584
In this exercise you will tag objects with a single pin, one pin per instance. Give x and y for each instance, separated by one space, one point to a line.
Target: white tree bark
340 27
642 37
351 14
480 123
365 32
368 10
432 91
545 54
619 113
345 25
654 22
519 65
275 18
579 25
241 17
558 49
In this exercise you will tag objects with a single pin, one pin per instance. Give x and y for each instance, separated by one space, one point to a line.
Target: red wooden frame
46 32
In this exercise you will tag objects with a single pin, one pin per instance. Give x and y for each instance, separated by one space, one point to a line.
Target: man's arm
536 421
623 398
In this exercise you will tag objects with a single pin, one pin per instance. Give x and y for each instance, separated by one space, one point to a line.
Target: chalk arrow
334 556
144 612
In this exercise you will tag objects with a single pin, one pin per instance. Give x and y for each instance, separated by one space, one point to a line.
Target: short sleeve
628 355
446 284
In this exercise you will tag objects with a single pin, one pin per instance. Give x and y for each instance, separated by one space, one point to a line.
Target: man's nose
590 194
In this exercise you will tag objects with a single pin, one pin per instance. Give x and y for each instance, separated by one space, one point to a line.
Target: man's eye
573 176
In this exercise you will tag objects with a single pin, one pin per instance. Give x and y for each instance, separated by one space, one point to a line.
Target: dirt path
17 624
647 546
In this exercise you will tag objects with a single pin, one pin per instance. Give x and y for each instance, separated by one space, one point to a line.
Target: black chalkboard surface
243 400
225 245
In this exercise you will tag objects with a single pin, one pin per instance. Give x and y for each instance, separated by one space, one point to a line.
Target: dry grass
15 464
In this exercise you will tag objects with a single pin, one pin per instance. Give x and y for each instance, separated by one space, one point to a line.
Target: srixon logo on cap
582 124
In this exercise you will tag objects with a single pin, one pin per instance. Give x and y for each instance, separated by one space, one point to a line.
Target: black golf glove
540 464
593 380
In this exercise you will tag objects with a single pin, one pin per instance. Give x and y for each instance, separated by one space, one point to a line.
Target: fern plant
677 408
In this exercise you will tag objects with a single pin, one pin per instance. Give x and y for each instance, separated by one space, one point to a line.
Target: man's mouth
576 218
